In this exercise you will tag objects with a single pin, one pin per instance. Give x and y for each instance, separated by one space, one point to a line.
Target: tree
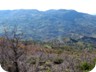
10 49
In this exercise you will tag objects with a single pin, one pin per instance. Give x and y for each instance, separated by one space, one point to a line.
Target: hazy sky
87 6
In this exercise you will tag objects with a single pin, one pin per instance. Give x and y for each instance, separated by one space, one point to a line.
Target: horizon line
45 10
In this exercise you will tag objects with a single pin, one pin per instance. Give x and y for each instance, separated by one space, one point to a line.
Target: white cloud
87 6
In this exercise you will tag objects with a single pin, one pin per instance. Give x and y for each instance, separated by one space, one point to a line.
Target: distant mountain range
51 24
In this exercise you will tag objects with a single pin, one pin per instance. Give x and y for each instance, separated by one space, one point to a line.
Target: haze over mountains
44 25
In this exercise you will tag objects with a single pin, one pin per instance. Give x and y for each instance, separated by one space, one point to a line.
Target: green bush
85 66
58 61
47 46
94 60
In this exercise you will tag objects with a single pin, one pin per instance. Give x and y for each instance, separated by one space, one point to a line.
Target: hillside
45 25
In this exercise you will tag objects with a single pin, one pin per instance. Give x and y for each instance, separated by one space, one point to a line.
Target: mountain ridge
50 24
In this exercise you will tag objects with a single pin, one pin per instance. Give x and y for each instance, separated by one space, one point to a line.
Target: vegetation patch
85 66
58 61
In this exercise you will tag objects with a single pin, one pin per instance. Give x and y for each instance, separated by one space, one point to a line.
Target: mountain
51 24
